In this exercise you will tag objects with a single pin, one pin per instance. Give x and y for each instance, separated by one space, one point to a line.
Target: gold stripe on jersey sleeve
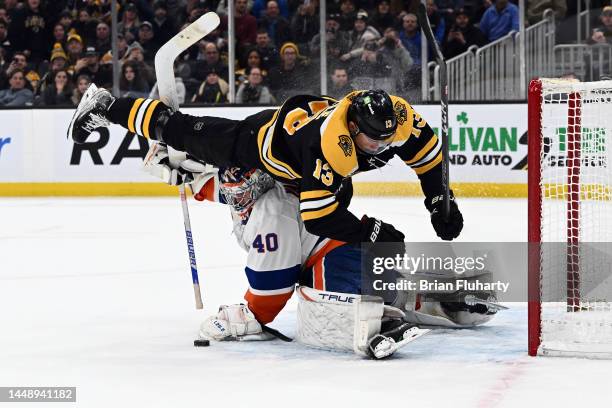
428 166
337 145
147 119
290 172
311 215
426 149
266 157
132 117
305 195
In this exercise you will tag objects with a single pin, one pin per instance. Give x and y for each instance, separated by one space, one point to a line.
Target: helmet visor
372 146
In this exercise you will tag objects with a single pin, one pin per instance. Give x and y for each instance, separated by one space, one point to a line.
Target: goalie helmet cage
570 218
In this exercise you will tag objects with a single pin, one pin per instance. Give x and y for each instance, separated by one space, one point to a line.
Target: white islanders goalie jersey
279 248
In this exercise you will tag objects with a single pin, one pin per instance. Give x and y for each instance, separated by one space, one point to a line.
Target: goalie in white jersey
283 255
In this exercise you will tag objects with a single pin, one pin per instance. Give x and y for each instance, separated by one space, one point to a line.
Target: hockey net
570 218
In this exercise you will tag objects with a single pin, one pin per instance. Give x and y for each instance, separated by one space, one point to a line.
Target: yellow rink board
155 189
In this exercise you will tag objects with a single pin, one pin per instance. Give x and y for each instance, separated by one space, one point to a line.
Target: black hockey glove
377 231
345 193
447 230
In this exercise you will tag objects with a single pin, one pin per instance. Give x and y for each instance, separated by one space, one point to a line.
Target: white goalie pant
337 321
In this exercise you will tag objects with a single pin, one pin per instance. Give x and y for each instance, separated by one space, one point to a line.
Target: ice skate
90 114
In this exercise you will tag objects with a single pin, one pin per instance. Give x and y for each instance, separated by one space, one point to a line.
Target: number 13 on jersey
324 173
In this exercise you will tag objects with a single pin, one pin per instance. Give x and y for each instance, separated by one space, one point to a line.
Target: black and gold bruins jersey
307 142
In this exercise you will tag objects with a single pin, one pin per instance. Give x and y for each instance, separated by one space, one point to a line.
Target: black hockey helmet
372 112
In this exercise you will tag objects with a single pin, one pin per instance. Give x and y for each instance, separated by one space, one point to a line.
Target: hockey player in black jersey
315 142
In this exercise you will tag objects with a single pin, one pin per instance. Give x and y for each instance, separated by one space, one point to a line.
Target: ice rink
96 293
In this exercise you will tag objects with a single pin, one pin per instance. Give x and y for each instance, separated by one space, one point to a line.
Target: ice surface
96 293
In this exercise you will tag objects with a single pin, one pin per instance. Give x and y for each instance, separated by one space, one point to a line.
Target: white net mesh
576 217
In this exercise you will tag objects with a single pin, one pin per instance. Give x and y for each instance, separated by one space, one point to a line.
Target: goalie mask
241 188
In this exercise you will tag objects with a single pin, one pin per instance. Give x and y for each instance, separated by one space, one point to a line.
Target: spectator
5 42
259 7
65 19
196 9
336 39
10 6
129 23
86 26
20 61
4 14
410 36
347 15
99 9
340 86
147 40
290 76
394 54
17 94
90 65
135 53
253 61
60 92
536 8
122 47
267 51
163 25
28 30
245 23
438 25
499 19
382 18
252 91
103 40
74 45
212 90
447 8
132 83
276 25
479 8
3 66
59 34
359 36
304 24
603 33
82 84
59 59
462 35
371 63
210 62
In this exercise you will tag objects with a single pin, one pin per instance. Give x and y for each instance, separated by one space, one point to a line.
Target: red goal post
570 218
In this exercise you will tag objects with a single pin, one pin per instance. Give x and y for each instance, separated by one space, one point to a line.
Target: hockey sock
137 115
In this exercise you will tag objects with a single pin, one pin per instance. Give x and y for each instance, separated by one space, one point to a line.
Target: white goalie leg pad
337 321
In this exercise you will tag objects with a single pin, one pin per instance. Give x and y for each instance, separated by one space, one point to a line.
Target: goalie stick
424 22
164 70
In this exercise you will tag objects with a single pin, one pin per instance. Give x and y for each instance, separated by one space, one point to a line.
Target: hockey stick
424 22
164 70
276 333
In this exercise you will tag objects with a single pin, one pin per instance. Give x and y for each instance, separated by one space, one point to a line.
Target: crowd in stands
50 51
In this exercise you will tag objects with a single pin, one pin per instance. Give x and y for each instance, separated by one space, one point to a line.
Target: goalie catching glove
445 229
233 322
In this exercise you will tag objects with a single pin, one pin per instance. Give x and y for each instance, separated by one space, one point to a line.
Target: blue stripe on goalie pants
275 279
